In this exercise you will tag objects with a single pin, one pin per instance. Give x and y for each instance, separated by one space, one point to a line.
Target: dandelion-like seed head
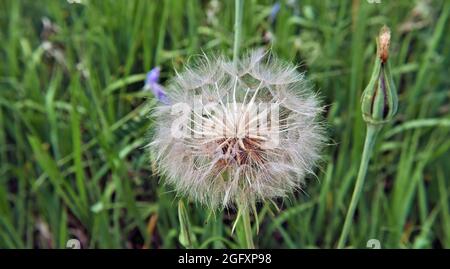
237 133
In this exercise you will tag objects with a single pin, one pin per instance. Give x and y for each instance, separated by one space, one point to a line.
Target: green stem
372 132
238 9
245 212
247 228
244 233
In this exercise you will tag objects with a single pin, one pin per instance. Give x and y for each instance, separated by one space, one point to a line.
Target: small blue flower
151 83
153 76
160 93
274 11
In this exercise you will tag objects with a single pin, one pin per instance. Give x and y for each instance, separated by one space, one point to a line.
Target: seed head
237 134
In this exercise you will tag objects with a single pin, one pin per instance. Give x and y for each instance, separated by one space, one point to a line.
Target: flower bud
379 99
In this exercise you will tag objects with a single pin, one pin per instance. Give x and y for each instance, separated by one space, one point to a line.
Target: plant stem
244 228
238 10
247 228
371 134
245 212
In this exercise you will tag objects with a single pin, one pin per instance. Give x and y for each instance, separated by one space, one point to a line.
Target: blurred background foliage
74 120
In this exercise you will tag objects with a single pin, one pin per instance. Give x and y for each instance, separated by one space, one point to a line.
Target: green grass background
74 120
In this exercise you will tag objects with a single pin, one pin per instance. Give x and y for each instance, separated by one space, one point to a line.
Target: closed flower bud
379 99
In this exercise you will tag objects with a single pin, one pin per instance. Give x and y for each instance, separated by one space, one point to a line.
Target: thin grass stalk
238 11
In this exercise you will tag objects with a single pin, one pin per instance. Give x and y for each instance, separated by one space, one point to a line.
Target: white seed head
238 133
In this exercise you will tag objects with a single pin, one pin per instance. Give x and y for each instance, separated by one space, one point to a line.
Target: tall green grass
73 128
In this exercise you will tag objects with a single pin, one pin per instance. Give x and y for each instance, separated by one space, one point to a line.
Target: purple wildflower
274 11
151 83
153 76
